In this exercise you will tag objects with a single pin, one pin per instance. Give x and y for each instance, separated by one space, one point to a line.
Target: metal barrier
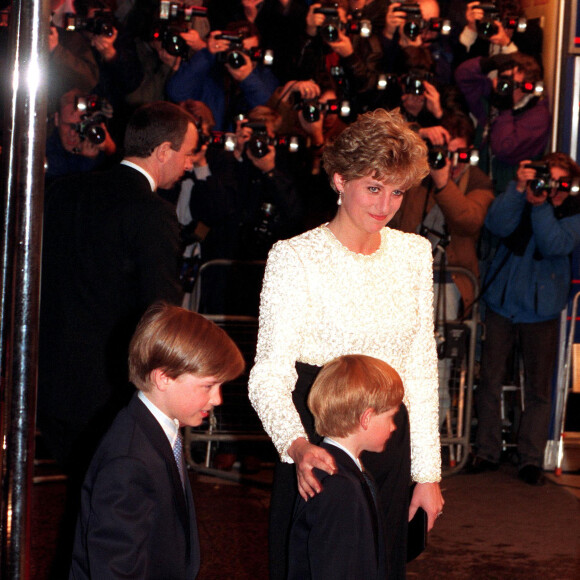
456 429
564 389
235 420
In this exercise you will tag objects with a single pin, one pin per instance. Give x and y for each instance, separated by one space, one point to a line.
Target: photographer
228 86
526 288
279 22
207 203
492 28
68 148
513 116
330 48
269 206
408 24
92 29
449 208
162 40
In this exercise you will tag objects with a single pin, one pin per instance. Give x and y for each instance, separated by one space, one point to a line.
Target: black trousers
391 470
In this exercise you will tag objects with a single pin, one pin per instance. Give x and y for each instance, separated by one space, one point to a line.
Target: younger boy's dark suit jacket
135 519
338 533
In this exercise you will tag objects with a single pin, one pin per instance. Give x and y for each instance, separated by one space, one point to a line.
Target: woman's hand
307 456
428 496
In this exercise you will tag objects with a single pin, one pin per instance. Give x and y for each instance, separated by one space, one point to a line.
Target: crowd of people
241 127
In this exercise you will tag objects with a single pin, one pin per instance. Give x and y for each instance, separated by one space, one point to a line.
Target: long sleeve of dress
273 377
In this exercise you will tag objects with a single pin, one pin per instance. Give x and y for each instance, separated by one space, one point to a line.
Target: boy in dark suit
338 533
137 518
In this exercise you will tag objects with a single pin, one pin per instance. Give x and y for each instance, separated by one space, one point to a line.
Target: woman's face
367 203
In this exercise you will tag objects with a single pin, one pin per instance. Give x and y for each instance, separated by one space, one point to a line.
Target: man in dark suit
137 516
110 249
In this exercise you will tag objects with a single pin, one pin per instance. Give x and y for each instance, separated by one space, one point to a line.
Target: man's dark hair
153 124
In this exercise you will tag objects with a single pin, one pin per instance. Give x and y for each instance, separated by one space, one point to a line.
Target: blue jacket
533 286
202 78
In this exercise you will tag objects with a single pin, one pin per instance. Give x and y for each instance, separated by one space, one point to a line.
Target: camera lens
95 134
437 157
505 87
413 86
537 186
311 113
412 29
486 28
236 59
329 32
258 145
174 44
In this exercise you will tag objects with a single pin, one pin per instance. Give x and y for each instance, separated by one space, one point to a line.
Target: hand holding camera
539 183
394 19
343 45
432 100
314 19
104 44
484 18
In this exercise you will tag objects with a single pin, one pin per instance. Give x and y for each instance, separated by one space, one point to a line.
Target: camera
223 140
359 25
413 83
414 22
332 23
486 27
543 181
437 155
101 24
311 109
234 56
174 18
260 142
506 85
94 111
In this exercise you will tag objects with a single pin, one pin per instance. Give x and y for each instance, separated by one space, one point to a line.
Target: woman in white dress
353 286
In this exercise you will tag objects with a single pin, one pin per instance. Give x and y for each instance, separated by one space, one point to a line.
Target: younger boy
137 518
339 532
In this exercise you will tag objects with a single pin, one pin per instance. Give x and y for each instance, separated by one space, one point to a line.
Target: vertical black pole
23 192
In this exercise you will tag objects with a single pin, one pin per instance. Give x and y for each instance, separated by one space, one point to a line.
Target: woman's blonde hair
349 385
378 144
179 341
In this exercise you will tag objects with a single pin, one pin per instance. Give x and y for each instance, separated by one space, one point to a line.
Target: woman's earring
339 200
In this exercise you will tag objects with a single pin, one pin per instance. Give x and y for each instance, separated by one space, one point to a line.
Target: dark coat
110 249
135 519
338 533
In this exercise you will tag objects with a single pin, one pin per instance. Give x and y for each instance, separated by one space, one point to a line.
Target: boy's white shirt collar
337 444
170 426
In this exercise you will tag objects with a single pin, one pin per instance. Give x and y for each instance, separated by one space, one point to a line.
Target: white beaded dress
320 300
